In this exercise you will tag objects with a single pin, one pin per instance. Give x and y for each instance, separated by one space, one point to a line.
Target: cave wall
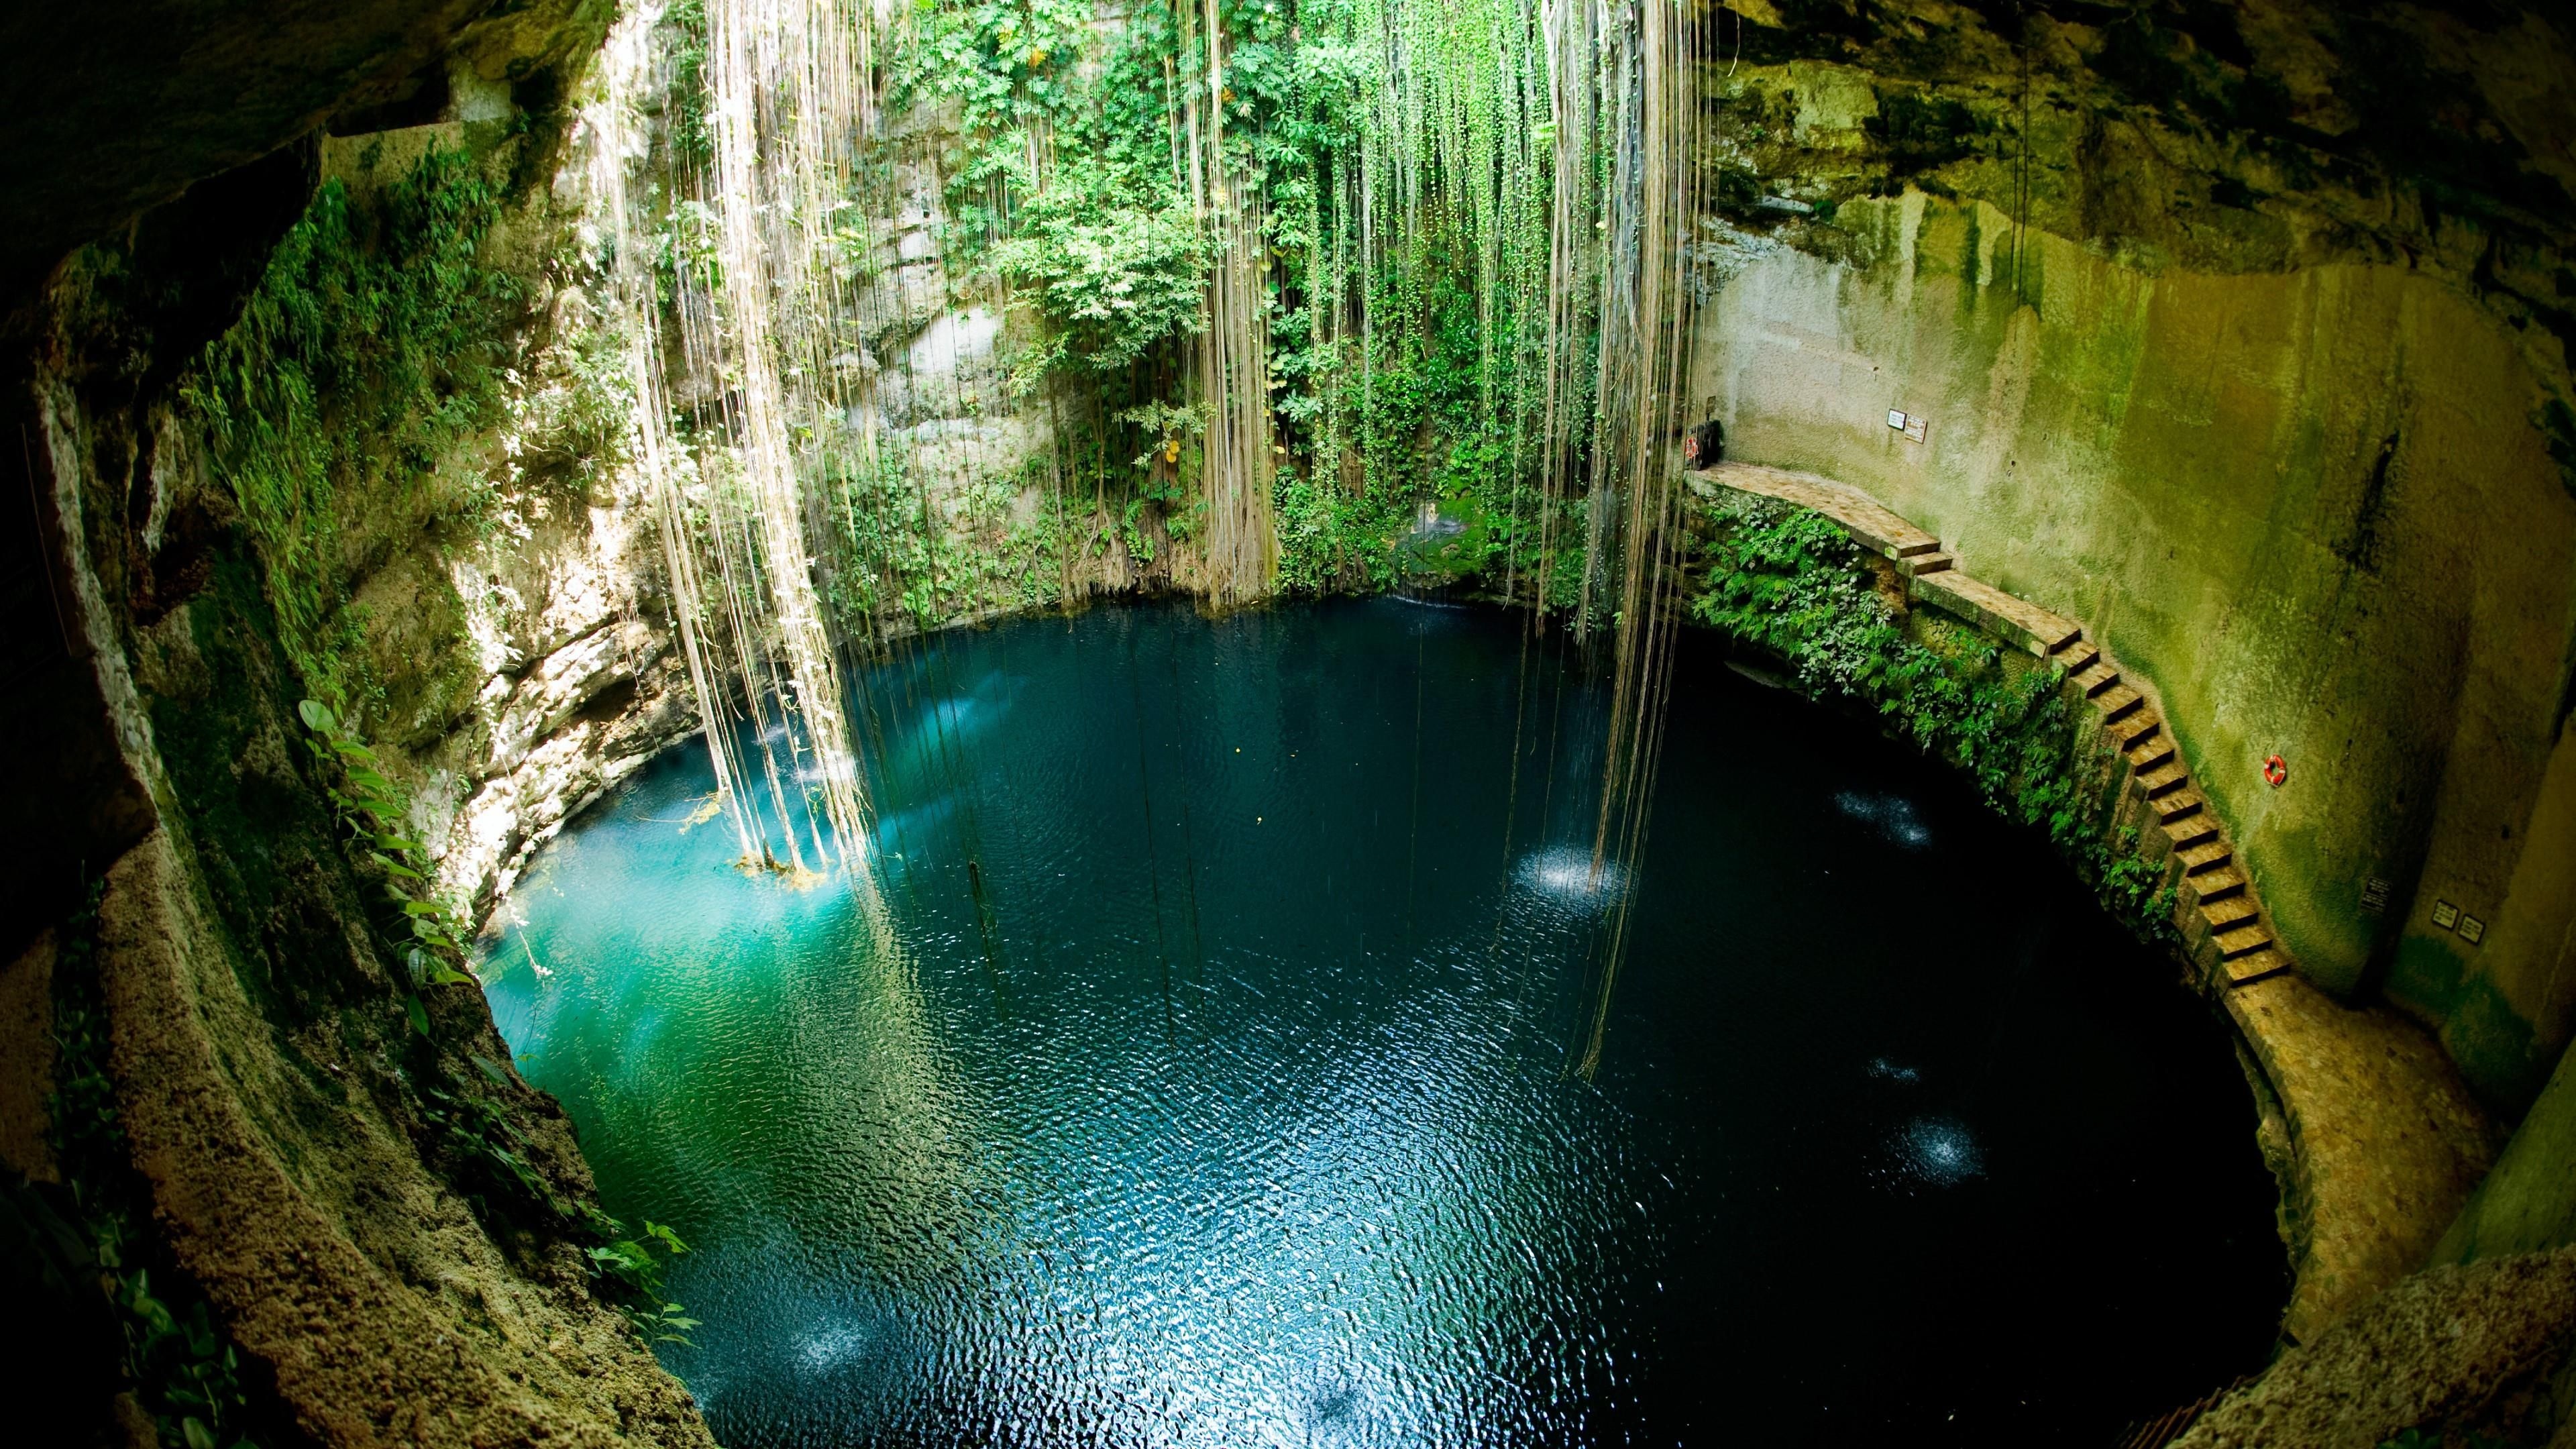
2239 334
2289 501
502 602
2527 1204
2286 440
340 1176
285 1127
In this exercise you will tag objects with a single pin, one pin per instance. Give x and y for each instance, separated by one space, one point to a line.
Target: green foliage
197 1368
1113 260
1330 539
573 414
1078 189
185 1371
684 248
1070 189
904 555
1791 583
692 139
632 1270
480 1133
375 340
626 1272
1422 198
1417 415
1396 197
417 929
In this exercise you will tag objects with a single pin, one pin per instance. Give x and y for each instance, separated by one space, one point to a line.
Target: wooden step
2254 966
2191 830
2163 779
2229 913
2217 885
2118 703
1917 565
2242 941
2175 804
2151 753
2078 657
1915 548
2204 857
2095 678
2127 732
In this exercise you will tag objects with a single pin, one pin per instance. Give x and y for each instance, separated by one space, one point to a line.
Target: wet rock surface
2476 1349
295 1178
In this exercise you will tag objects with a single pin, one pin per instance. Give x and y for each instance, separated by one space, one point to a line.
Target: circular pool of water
1214 1087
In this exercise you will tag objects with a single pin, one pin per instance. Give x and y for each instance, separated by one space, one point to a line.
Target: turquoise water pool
1213 1088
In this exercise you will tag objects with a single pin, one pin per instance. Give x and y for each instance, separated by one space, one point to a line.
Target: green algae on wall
2307 506
2527 1204
1794 585
374 344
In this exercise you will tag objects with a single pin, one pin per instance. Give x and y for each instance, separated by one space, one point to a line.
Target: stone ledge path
2385 1141
2224 924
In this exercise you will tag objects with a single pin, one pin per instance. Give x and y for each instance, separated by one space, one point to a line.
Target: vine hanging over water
1313 296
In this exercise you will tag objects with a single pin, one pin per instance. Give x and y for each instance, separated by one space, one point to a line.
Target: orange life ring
2275 771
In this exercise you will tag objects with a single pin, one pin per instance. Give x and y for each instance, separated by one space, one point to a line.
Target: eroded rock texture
333 1163
2241 333
2242 327
2477 1349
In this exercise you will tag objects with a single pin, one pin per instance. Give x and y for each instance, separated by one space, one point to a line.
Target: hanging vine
1312 295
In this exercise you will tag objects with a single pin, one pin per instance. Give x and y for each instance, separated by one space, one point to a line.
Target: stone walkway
2382 1138
2224 923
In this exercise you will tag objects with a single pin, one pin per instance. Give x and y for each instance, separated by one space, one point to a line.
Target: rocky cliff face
243 1104
2240 334
2216 139
2241 331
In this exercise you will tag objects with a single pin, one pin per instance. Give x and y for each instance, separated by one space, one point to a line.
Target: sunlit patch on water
832 1345
1208 1084
1566 876
1937 1152
1892 816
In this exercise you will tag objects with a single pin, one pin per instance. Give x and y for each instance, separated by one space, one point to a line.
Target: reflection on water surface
1215 1093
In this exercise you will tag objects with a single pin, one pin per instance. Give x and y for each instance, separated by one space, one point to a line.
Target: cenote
1214 1086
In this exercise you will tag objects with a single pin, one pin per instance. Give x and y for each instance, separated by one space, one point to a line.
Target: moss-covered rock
2480 1350
2284 498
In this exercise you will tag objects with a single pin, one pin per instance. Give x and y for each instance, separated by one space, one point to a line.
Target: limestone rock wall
2481 1350
2237 332
2288 499
385 1223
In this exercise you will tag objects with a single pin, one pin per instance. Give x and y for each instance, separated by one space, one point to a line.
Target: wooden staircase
2222 920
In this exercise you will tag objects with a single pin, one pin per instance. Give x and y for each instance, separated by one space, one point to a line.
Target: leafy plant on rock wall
1078 189
1792 584
691 138
421 933
633 1268
376 340
418 930
1115 265
1070 192
185 1370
